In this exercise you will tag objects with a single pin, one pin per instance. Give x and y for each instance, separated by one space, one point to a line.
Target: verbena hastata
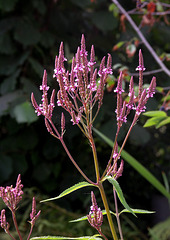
79 91
12 197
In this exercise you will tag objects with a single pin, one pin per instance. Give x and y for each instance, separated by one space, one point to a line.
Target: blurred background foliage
30 35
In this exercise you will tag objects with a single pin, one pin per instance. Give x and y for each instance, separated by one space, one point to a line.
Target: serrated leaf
155 114
139 211
153 121
163 122
70 190
95 237
119 193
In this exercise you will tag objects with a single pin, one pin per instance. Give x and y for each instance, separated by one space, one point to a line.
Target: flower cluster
45 108
33 215
137 103
113 170
12 196
79 88
95 216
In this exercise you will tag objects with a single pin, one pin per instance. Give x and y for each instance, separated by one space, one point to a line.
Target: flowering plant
81 94
79 91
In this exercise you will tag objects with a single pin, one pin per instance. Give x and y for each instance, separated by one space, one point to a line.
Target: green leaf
155 114
38 68
95 237
8 5
85 217
153 121
103 20
6 167
70 190
26 33
119 193
164 122
139 211
24 113
137 166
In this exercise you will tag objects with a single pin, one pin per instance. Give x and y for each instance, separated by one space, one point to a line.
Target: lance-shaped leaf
70 190
119 193
85 217
137 166
95 237
139 211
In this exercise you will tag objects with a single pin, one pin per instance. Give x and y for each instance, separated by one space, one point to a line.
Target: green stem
109 217
96 163
117 215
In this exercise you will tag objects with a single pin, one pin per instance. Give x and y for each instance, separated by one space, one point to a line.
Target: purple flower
95 216
44 108
12 196
33 215
4 224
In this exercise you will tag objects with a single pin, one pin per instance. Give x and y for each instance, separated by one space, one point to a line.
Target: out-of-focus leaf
164 122
159 7
7 24
113 8
24 113
26 33
36 66
118 45
70 190
8 99
47 39
83 3
40 6
139 135
6 167
6 44
155 114
9 64
8 85
153 121
104 21
7 5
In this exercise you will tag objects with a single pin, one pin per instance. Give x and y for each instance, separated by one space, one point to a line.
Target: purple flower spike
141 64
95 216
140 68
151 89
44 108
33 215
119 89
4 224
142 102
12 196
